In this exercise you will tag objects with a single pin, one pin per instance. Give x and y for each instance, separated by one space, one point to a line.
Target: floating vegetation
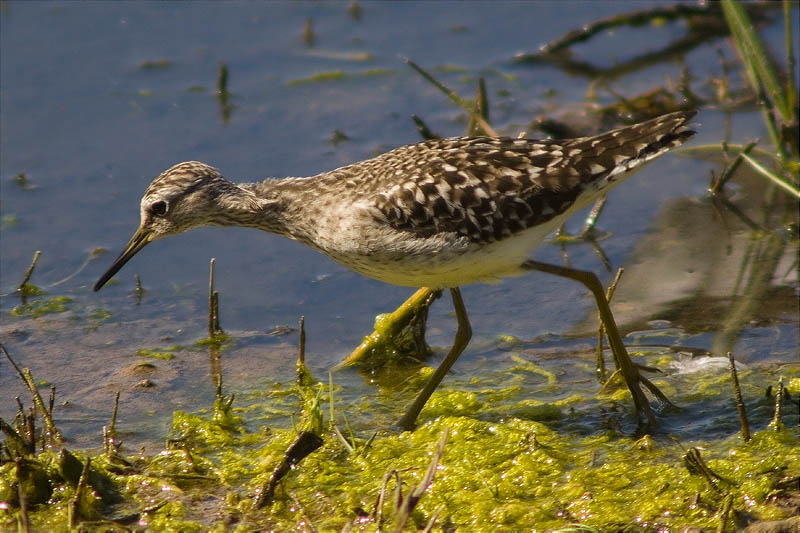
336 75
155 64
308 33
338 137
22 180
8 222
42 306
357 57
161 353
97 317
223 95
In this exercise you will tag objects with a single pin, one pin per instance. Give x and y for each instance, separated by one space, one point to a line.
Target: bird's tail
606 156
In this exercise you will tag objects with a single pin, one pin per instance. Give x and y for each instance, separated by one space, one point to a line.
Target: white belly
440 263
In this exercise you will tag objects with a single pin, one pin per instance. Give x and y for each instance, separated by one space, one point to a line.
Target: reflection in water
704 267
216 367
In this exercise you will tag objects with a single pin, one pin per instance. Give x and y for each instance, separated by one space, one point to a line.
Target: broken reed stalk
423 129
139 289
213 303
304 377
332 412
301 341
737 391
724 511
29 272
305 444
222 79
211 298
106 441
482 99
110 432
776 418
695 465
308 33
30 430
16 445
24 522
37 400
217 328
481 108
113 425
26 377
601 365
74 507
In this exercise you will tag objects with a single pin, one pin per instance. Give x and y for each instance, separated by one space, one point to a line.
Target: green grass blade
728 172
791 91
777 180
463 103
332 421
751 47
715 151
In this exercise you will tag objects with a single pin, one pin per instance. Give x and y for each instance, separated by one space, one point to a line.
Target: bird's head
180 198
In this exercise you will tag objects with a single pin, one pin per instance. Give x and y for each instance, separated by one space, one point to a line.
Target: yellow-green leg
629 371
463 335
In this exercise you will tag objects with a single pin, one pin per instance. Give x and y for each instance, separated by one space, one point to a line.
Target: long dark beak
137 242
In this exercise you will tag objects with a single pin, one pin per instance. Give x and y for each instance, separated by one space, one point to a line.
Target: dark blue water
89 126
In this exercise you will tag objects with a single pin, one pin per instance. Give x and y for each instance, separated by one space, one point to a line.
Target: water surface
98 98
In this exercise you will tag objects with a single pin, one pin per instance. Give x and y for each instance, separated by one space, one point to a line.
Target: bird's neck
272 205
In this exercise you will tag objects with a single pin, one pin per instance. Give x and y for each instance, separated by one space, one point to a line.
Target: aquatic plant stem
29 272
24 523
301 341
776 417
26 377
737 391
211 298
783 184
470 107
74 506
731 168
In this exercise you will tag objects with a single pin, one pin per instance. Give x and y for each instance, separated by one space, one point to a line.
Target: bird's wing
482 188
487 188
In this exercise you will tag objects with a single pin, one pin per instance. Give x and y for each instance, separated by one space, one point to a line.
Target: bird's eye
159 208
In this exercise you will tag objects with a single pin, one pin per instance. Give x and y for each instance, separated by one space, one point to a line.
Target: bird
441 213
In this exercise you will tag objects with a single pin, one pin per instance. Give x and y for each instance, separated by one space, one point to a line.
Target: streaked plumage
439 213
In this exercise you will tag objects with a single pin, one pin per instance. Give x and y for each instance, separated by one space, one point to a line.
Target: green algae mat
483 457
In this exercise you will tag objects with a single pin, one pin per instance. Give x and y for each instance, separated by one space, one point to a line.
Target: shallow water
90 124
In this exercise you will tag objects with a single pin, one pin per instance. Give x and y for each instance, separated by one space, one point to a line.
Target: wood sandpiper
440 213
